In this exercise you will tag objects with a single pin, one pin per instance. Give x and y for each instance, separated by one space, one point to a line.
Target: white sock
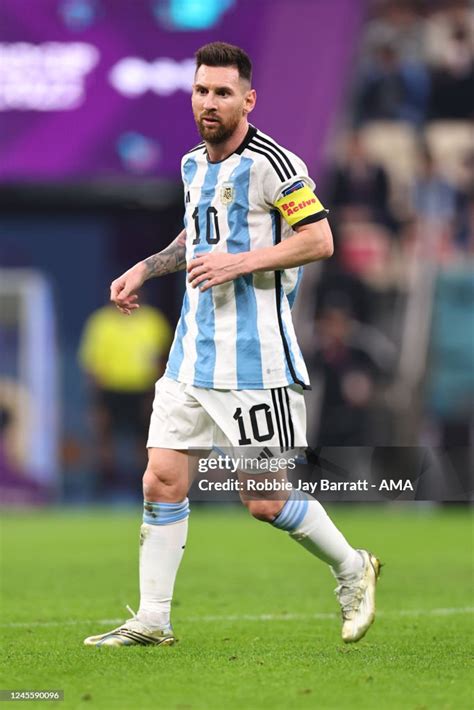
309 524
162 546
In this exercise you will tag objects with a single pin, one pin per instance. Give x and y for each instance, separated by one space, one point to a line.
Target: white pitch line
449 611
334 615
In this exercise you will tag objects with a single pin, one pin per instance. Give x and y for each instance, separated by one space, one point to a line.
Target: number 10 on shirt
212 226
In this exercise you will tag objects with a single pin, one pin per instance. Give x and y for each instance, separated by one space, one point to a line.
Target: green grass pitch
254 612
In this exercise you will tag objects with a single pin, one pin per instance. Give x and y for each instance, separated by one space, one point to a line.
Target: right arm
123 291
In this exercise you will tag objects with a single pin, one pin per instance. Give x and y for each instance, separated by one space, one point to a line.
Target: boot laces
350 597
134 623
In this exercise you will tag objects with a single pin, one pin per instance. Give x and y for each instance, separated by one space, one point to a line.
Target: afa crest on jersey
227 193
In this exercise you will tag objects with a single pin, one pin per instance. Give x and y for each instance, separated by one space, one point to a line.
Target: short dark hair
221 54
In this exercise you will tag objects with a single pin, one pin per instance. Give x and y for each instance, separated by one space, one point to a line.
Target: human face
221 101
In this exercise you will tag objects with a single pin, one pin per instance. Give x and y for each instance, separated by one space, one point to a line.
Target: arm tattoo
171 259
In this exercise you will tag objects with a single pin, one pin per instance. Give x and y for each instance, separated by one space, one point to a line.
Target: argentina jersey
240 334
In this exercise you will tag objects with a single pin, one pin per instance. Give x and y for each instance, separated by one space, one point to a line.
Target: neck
221 151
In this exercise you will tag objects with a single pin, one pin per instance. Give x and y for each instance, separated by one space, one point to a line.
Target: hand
216 268
123 290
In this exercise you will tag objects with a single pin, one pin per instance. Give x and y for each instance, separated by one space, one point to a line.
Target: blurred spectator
452 95
398 23
123 357
336 279
434 198
350 360
366 251
449 43
392 87
441 41
440 205
361 187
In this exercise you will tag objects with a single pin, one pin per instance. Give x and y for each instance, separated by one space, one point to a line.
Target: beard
219 132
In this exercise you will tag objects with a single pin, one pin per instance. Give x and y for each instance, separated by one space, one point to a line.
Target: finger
124 289
126 296
114 291
128 302
209 284
215 281
196 272
127 309
123 296
199 279
194 263
118 295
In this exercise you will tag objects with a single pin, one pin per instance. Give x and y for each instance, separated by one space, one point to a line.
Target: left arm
311 242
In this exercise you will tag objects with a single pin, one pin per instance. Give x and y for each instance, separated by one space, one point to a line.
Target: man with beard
235 375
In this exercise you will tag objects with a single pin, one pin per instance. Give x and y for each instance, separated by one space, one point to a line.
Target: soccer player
235 375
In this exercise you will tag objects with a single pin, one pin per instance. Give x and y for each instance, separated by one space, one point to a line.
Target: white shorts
185 417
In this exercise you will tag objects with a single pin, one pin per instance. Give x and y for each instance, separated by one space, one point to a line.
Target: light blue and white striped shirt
240 335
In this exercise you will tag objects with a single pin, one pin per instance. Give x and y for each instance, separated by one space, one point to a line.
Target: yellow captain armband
299 205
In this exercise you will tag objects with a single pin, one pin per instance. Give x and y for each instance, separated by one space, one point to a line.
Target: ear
250 101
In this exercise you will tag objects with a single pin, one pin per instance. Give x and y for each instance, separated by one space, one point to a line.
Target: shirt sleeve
294 198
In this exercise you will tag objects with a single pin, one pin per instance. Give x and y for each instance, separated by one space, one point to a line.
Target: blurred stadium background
376 96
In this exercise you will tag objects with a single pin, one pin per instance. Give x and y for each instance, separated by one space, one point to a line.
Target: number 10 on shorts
258 420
